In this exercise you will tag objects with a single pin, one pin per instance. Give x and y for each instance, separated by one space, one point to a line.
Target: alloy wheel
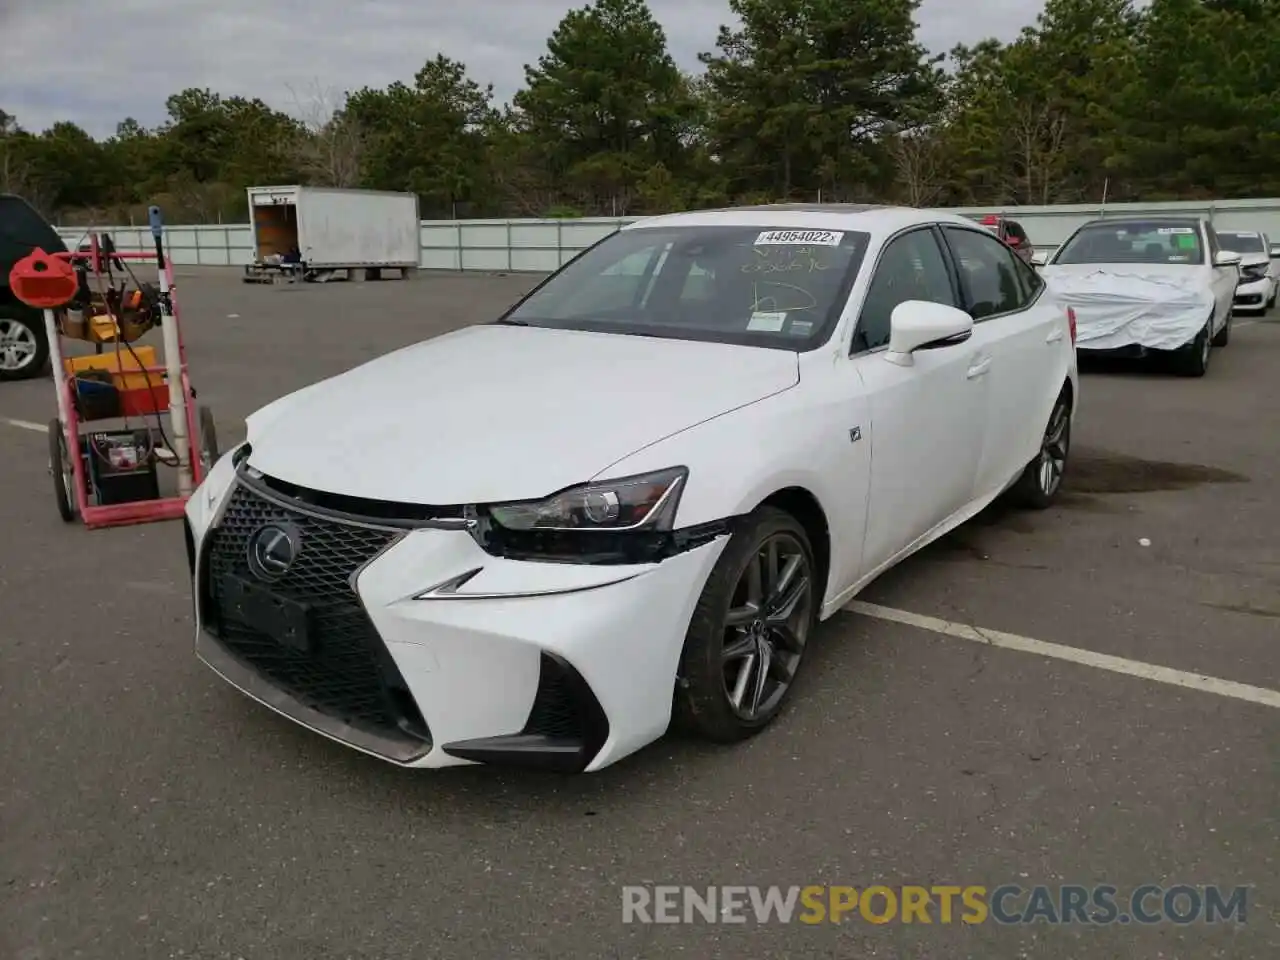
767 627
1053 449
17 345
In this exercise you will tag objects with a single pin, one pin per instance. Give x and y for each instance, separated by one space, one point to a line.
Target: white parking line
1088 658
25 424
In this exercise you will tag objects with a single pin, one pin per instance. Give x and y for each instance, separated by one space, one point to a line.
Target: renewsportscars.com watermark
1007 904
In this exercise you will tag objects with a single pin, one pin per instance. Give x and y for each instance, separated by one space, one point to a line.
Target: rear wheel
61 470
749 630
1041 480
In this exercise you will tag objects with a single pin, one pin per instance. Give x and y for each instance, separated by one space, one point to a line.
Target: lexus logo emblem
272 551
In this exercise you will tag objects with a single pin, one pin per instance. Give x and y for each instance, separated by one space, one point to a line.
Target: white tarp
1127 306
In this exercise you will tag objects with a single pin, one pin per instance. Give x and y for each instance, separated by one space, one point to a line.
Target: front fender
793 439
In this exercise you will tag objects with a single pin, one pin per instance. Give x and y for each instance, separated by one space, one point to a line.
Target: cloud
96 63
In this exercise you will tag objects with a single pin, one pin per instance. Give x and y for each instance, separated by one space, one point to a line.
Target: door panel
926 419
1026 334
927 423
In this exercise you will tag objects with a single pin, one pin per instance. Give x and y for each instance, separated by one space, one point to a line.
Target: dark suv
1011 232
24 349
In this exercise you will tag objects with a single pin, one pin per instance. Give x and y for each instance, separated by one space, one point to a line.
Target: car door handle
1054 337
979 368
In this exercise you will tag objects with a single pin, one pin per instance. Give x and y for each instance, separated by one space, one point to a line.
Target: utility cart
124 409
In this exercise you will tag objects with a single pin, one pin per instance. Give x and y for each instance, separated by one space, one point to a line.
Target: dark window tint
1031 283
1242 242
1135 241
988 272
1015 233
912 267
21 231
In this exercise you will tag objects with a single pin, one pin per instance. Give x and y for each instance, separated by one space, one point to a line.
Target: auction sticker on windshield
826 238
1176 230
767 321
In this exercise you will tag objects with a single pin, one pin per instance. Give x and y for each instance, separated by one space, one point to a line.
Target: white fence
540 246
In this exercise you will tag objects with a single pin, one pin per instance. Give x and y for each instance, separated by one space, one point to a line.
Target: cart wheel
208 440
60 469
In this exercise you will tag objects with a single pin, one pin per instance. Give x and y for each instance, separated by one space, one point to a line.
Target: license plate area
284 620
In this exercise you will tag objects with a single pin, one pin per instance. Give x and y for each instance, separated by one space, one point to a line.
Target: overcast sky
96 63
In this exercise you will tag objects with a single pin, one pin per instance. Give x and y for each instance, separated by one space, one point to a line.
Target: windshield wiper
512 323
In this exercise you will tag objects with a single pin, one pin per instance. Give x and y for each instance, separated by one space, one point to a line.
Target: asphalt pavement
149 810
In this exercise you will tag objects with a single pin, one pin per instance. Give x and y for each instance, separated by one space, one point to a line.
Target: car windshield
1134 241
1242 242
751 285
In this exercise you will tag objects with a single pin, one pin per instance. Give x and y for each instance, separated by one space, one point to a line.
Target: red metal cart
107 475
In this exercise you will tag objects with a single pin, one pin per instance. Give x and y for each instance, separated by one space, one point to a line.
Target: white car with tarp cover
1257 290
1148 285
635 493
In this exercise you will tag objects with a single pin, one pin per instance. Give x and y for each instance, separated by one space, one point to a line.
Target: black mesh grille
347 673
555 710
565 707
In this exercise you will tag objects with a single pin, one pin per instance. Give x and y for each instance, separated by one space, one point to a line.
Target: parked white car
1257 290
1154 285
523 542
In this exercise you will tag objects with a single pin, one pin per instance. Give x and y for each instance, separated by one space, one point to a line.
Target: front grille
347 673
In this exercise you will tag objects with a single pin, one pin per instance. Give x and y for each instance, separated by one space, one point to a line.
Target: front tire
1223 336
1193 359
749 630
1041 480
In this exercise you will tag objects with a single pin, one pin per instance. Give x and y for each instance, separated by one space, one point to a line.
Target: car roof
1139 218
869 218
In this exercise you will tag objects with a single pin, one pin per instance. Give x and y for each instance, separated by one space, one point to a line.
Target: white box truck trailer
323 233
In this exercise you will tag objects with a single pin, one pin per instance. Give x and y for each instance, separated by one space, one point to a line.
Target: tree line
800 100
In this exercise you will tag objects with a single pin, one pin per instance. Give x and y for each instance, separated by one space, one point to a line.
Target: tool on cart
107 474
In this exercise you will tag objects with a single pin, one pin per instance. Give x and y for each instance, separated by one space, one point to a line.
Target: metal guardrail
539 246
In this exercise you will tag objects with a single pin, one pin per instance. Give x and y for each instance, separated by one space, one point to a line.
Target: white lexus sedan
1257 290
1148 286
632 496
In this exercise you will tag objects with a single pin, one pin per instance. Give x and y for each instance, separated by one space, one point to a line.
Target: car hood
1255 259
493 413
1158 306
1118 279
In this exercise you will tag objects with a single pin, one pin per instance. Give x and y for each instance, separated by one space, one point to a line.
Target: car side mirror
923 325
1039 259
1227 258
1275 251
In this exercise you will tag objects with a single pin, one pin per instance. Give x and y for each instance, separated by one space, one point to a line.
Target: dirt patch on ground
1102 472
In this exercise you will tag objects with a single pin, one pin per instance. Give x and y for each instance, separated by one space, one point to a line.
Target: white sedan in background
1150 285
1257 290
635 493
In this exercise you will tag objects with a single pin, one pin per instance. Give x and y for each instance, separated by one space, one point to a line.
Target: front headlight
644 502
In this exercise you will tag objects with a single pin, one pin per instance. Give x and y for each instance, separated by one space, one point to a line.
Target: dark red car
1011 232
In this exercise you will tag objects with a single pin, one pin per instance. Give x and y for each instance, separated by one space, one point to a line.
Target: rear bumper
560 666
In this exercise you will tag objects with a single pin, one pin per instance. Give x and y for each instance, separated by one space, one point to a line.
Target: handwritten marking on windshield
803 260
767 304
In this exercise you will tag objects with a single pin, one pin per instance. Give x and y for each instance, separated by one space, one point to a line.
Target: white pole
55 359
173 366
